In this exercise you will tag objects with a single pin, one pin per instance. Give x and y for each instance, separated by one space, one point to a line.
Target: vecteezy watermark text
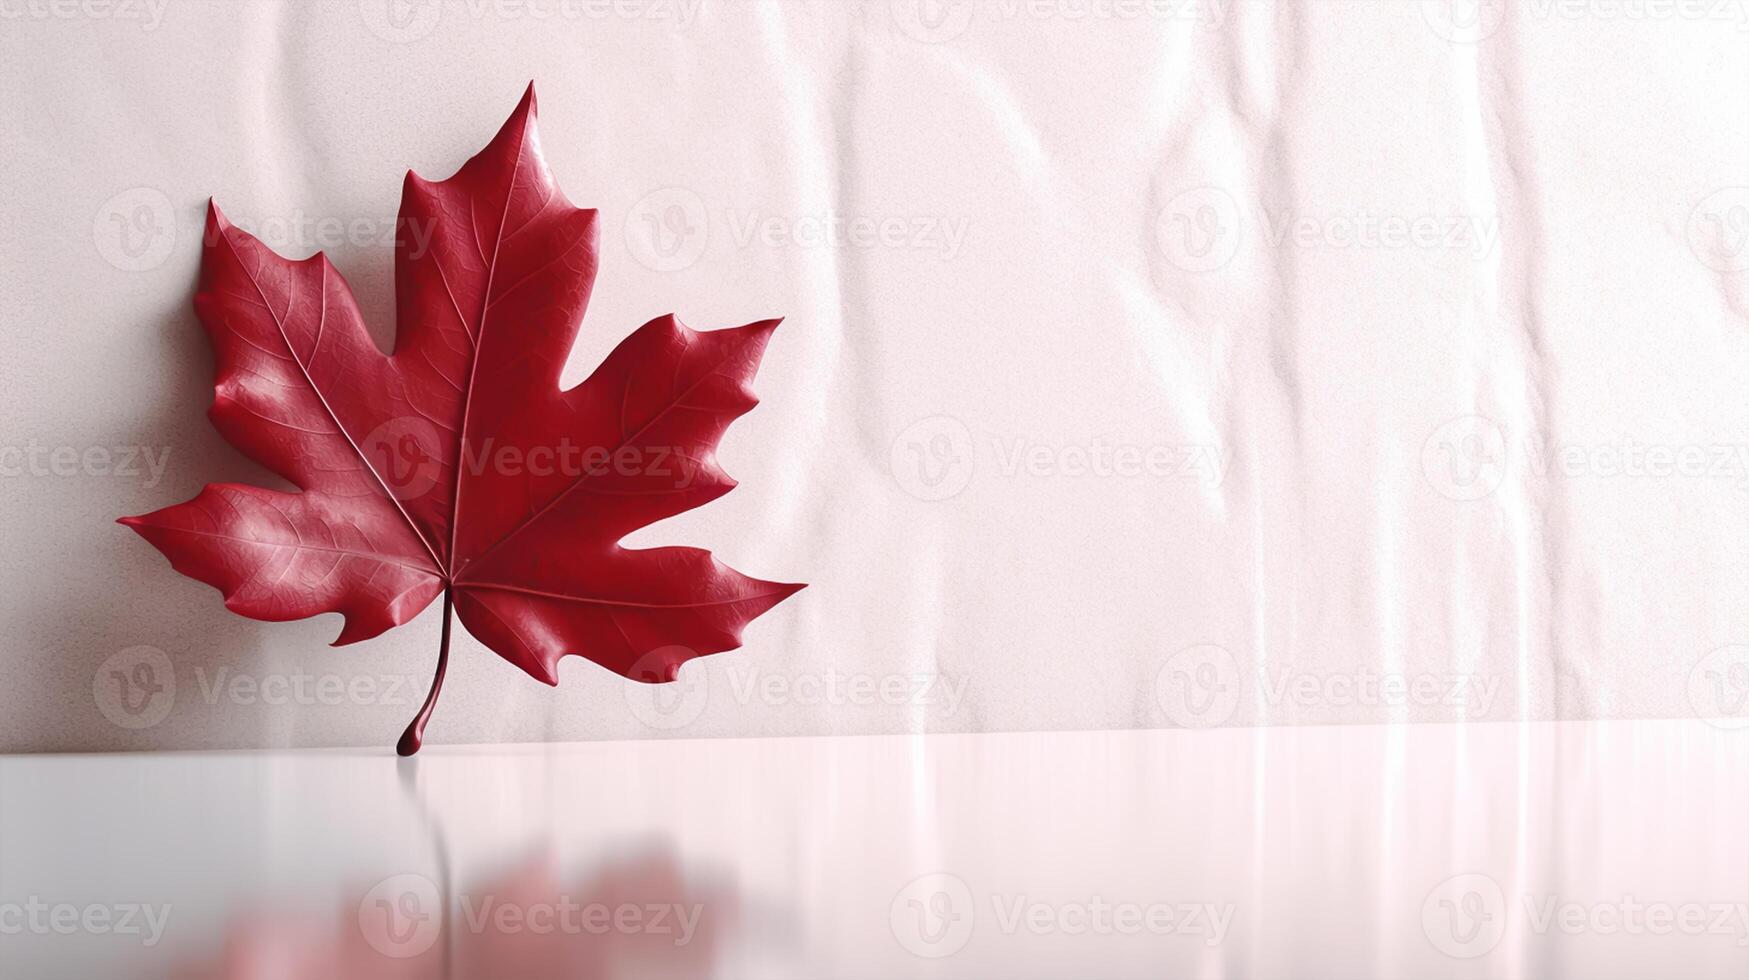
568 916
1203 229
407 453
668 229
1473 21
33 459
147 13
936 457
1468 457
298 230
299 687
1468 915
831 229
38 917
934 916
675 705
402 916
939 21
406 21
1202 686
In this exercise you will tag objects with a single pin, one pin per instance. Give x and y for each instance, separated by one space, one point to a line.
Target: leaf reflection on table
640 916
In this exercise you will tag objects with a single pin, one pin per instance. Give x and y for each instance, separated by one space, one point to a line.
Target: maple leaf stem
414 736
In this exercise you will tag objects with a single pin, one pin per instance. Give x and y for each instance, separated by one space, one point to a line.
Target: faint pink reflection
638 917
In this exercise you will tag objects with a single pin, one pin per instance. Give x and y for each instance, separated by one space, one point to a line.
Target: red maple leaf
457 466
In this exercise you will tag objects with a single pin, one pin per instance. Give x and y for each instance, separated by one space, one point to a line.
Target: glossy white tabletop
1593 850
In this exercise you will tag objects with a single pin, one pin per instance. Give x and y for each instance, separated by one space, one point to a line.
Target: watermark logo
37 917
135 688
1207 13
666 705
135 230
1099 917
1465 459
1200 230
933 916
939 234
1718 230
1474 695
401 916
306 689
1464 916
939 21
299 230
1629 915
1468 457
667 229
405 453
1474 21
1643 11
932 21
1202 686
1718 687
33 459
1018 457
841 689
1460 235
933 458
406 21
401 21
569 917
1467 916
147 13
674 705
1464 21
1199 686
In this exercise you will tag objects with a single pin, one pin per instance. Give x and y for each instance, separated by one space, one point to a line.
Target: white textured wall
1222 362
